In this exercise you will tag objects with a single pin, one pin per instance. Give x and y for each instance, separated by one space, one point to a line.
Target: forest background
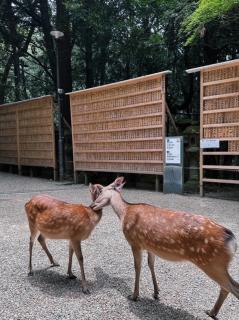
107 41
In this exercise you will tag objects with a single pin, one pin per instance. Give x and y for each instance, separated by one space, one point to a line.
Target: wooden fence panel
8 136
120 127
220 118
29 126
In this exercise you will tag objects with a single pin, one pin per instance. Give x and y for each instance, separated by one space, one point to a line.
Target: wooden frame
27 135
120 127
219 115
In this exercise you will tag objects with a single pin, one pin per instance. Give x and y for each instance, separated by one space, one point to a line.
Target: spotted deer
55 219
174 236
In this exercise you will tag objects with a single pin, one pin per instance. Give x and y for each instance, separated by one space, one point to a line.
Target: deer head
105 193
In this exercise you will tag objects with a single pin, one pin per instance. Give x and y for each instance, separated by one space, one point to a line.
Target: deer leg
42 242
30 273
69 271
219 274
137 265
32 238
76 245
151 260
222 297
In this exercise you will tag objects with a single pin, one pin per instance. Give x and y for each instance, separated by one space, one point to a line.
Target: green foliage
207 11
112 40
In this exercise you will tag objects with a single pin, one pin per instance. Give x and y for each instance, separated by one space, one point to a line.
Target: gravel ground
185 292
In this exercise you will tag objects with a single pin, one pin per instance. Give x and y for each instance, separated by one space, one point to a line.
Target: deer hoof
132 297
86 291
213 316
72 276
156 296
55 264
30 274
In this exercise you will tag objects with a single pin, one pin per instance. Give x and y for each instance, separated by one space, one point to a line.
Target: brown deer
175 236
55 219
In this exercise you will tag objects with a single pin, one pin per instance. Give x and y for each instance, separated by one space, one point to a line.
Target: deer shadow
53 283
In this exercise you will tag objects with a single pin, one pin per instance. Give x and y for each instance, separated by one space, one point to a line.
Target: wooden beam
220 96
121 83
128 106
201 137
220 110
214 167
221 153
223 81
119 129
221 181
171 118
219 125
214 66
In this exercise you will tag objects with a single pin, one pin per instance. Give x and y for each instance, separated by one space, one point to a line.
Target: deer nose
92 205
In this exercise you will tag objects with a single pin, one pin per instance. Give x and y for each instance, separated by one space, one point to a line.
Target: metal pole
60 101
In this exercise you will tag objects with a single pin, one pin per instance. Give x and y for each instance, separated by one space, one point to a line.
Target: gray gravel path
184 291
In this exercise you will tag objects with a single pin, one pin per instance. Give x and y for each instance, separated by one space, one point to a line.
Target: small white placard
173 152
209 143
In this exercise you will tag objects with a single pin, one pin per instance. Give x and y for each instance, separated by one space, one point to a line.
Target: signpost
173 150
173 171
209 143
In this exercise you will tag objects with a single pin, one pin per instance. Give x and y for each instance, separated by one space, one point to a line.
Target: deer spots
182 232
181 251
172 241
206 241
127 227
192 249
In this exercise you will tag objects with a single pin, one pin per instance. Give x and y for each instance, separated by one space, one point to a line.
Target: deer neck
95 216
119 205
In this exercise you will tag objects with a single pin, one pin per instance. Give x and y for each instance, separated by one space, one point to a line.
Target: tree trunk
24 87
16 67
4 77
89 59
64 53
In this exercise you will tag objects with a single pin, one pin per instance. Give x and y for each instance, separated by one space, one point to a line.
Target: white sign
209 143
173 150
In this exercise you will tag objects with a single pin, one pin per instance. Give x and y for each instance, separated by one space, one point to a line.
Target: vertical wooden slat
163 117
18 144
73 142
201 136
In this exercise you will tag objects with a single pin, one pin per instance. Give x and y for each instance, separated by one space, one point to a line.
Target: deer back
175 235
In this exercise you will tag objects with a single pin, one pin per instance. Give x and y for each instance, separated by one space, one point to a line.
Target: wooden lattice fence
219 117
120 127
27 133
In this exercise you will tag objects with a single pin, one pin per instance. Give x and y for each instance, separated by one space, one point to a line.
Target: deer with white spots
175 236
55 219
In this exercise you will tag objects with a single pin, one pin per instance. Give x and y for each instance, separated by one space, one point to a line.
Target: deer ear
120 187
91 188
98 188
118 181
95 188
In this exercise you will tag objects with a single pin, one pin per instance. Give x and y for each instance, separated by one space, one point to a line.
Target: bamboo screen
220 120
120 127
27 133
